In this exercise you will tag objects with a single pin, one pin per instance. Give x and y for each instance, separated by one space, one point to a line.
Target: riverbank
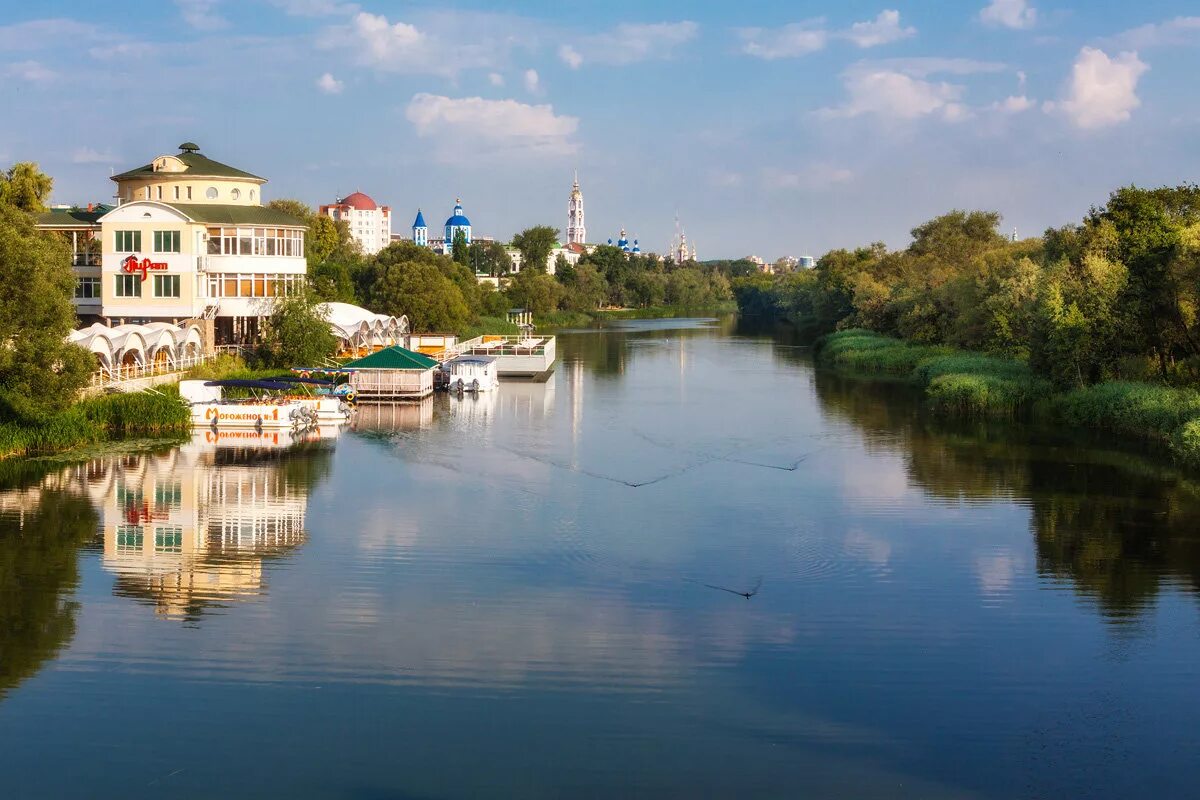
97 420
583 319
962 383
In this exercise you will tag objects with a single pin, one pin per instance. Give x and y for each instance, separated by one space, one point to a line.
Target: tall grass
953 381
98 419
960 383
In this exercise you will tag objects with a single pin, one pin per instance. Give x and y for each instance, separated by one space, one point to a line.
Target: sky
769 128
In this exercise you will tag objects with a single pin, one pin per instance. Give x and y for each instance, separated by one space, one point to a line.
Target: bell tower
576 230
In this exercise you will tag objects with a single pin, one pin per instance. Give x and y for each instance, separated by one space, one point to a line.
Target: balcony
85 259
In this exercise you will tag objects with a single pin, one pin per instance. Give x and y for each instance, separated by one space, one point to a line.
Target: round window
211 193
235 193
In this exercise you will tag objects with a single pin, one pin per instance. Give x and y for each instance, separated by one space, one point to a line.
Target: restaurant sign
132 265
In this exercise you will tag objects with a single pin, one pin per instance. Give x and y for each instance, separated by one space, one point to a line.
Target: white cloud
201 14
889 92
814 176
495 79
32 71
570 56
1013 105
533 83
923 67
314 8
1102 91
491 127
629 44
90 155
329 84
45 33
1017 14
1178 31
789 41
884 29
372 40
801 38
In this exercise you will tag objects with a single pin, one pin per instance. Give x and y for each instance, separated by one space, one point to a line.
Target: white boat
472 373
329 410
209 409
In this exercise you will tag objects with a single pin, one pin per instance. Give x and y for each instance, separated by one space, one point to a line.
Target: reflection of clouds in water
876 481
875 551
996 572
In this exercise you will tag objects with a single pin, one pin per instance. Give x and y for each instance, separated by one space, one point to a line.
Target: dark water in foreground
505 598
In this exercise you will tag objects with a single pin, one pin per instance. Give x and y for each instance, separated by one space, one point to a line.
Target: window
168 539
130 538
176 192
211 193
127 285
235 193
87 289
166 241
251 195
160 193
166 286
128 241
168 495
189 192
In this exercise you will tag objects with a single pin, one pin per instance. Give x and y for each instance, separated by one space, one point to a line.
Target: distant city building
757 262
806 262
457 222
370 224
420 231
624 243
576 230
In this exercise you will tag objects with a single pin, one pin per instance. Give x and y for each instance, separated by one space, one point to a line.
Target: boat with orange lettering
263 409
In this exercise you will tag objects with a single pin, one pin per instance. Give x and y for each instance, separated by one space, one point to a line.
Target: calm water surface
506 597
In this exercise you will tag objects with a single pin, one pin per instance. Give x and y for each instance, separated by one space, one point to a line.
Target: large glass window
168 539
166 241
87 289
127 285
128 241
166 286
130 538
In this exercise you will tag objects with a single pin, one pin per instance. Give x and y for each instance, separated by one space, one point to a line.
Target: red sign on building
131 265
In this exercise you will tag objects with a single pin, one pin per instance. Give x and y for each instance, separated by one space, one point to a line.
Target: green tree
25 187
586 290
332 281
297 333
418 289
489 258
40 372
535 245
459 249
535 291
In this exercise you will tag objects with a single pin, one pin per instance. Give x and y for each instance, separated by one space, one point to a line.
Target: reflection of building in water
527 399
384 417
191 528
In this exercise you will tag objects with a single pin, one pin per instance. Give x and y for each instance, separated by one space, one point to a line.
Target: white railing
131 372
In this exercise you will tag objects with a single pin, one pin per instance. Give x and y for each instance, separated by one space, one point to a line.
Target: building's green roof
393 357
228 214
198 166
73 217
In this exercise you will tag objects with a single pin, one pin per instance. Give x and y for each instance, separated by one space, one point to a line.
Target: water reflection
1115 525
190 529
43 524
391 417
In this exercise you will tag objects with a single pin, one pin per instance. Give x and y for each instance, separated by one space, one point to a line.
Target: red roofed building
370 224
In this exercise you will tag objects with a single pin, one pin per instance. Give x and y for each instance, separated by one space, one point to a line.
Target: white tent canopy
356 327
131 345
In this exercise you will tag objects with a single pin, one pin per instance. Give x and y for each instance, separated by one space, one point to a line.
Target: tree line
1115 296
442 293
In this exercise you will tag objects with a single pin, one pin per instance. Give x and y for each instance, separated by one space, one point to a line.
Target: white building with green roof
188 239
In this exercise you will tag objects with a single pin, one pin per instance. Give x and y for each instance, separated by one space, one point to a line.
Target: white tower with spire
576 230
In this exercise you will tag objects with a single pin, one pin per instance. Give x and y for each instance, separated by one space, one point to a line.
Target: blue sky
771 128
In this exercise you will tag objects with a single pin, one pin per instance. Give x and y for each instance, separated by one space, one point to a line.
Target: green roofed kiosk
392 373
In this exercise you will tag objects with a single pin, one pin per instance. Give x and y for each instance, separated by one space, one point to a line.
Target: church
457 221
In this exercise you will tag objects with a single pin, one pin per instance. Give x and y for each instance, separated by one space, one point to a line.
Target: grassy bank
583 319
97 420
972 384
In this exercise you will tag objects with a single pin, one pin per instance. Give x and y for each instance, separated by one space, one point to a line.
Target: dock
529 356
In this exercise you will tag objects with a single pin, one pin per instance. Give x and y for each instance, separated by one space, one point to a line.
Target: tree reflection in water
42 528
183 529
1116 524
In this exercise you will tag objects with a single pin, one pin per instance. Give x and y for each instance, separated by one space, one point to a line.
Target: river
536 594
